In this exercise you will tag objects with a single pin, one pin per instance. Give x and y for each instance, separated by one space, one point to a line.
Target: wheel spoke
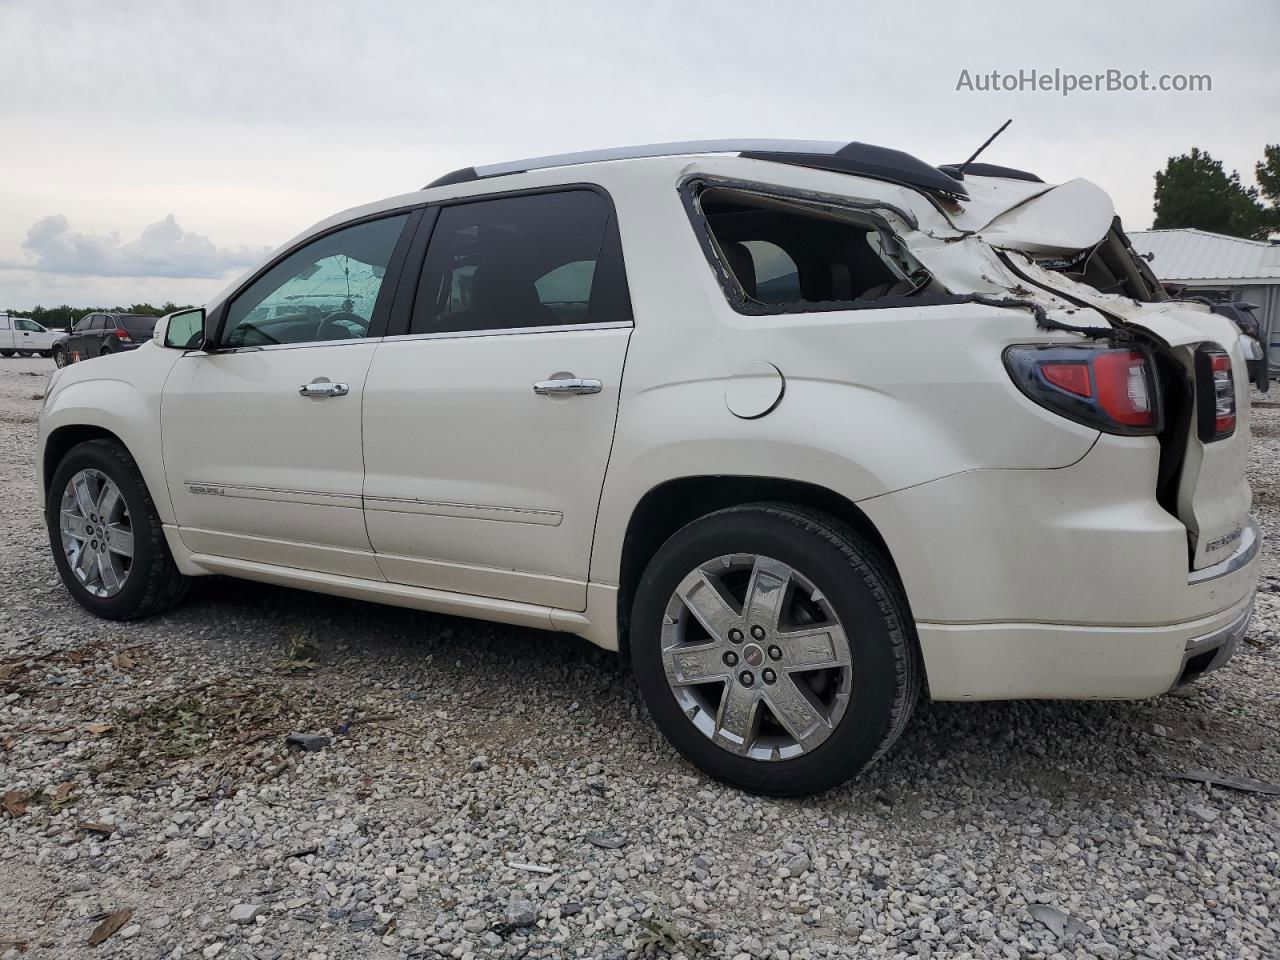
766 592
790 703
696 664
87 563
738 717
107 570
121 541
814 648
72 524
108 499
84 499
703 598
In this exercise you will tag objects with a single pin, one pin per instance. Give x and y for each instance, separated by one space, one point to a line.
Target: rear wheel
6 353
107 539
773 648
105 351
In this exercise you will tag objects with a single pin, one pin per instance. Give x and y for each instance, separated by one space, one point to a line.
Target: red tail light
1215 394
1109 388
122 334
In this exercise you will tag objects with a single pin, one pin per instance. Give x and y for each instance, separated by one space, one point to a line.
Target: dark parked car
101 333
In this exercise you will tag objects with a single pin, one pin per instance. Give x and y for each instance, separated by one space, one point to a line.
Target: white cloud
162 249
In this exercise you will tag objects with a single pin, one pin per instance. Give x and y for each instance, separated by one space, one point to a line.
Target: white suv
800 427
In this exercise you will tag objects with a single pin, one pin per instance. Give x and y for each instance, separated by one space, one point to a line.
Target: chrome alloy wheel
97 536
756 657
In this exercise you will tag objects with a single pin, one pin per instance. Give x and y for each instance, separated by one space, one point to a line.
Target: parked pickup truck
805 430
24 337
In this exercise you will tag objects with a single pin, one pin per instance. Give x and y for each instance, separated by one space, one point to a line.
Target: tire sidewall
98 455
852 592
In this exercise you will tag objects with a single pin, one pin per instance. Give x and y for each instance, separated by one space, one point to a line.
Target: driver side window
328 290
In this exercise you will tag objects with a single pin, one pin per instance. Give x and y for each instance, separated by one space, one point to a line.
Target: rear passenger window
539 260
791 255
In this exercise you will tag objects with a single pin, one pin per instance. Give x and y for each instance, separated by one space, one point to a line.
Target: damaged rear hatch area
1067 241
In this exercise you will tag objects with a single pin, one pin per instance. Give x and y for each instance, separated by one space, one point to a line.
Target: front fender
128 409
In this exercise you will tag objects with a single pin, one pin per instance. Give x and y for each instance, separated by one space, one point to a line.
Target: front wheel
59 357
773 648
107 539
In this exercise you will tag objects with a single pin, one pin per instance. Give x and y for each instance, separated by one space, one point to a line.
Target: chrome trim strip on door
244 492
510 331
469 511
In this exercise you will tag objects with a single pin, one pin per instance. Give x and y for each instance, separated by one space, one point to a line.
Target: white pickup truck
24 337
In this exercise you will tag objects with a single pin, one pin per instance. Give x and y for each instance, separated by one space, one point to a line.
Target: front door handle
323 388
567 387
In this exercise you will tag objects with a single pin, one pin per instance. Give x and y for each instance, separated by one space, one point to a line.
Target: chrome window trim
1250 544
512 331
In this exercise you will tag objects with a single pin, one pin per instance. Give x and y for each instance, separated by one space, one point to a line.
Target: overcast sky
151 151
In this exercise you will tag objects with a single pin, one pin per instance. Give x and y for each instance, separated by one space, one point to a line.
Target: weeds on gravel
297 653
657 934
216 718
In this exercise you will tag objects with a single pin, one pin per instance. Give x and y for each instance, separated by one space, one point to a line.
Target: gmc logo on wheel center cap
753 655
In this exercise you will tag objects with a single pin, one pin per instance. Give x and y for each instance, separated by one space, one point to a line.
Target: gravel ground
497 792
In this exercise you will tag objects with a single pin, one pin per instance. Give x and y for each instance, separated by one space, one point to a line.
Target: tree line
1193 190
65 316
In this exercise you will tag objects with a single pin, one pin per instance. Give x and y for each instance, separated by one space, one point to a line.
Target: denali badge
199 488
1223 540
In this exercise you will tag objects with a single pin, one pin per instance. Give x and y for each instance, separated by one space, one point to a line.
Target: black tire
59 357
6 353
154 583
46 354
864 593
105 352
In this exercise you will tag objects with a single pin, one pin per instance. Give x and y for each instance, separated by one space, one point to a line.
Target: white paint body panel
1031 549
476 484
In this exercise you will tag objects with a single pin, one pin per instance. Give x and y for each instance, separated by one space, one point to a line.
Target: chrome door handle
567 387
323 388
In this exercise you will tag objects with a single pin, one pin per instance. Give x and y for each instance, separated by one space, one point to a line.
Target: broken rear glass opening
783 252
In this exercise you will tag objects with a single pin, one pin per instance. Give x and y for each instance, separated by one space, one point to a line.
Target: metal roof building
1221 268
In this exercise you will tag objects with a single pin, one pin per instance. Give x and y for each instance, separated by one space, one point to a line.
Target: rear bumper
1014 661
1068 584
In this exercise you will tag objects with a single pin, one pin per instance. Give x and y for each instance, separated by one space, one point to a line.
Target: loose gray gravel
495 792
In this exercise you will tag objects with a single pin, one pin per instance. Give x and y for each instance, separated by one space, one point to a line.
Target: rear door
488 423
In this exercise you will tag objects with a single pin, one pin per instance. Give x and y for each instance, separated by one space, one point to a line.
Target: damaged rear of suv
802 429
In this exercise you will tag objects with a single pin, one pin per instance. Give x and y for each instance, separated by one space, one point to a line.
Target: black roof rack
861 159
989 170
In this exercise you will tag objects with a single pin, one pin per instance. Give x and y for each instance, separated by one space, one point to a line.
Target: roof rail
859 159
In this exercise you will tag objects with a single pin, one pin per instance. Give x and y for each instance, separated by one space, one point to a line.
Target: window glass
529 261
782 253
29 325
328 290
97 322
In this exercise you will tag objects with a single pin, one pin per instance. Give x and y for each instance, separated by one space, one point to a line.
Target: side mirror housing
184 330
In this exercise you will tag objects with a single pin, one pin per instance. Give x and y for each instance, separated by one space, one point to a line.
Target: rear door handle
567 387
323 388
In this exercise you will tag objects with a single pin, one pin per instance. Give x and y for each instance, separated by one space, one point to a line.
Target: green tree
1267 173
64 316
1194 191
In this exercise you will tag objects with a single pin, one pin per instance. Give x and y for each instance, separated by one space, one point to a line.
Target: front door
488 424
264 459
